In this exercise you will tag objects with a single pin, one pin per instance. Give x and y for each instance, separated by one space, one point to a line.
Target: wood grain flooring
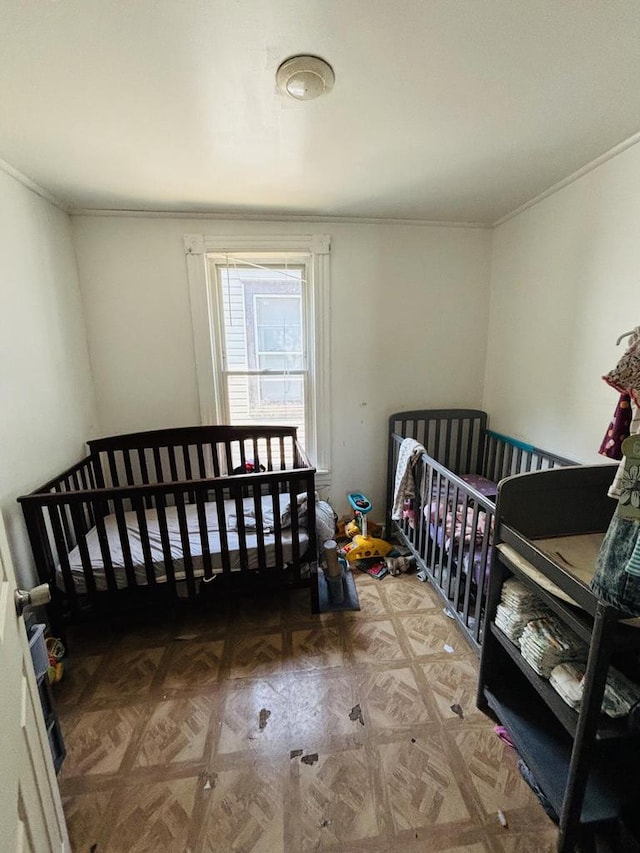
257 727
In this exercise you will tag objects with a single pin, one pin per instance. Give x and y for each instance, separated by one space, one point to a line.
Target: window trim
205 318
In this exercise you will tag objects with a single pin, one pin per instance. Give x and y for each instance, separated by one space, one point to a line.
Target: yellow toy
364 547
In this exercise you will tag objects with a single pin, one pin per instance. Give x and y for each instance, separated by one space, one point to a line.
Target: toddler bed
169 510
447 523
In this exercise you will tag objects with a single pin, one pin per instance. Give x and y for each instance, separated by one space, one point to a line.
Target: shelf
580 622
545 747
608 727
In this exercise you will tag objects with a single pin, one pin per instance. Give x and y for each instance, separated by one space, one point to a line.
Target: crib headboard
189 453
453 437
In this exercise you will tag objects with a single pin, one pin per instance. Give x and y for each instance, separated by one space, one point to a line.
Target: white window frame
205 319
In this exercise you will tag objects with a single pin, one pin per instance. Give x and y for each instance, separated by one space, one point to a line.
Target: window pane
279 339
277 400
276 310
280 361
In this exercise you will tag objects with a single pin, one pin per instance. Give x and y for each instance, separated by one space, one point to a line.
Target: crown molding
8 169
570 179
272 217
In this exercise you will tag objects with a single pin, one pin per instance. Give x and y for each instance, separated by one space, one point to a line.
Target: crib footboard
105 534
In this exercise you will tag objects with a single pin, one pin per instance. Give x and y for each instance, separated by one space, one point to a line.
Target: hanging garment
615 489
410 451
618 429
625 377
615 580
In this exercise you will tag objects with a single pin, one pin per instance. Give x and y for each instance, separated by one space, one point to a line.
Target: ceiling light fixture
305 77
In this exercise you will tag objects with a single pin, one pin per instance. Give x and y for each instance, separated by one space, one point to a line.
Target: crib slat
169 569
215 459
242 533
186 548
78 524
103 541
138 506
157 463
441 497
55 514
173 468
295 525
64 519
269 456
187 462
128 468
222 528
277 523
85 485
113 468
202 468
124 544
471 580
204 536
228 457
485 561
460 505
260 533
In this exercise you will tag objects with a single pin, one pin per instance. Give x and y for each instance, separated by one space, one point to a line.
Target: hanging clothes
617 575
611 581
618 429
625 378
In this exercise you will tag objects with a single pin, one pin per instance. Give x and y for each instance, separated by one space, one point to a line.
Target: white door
31 817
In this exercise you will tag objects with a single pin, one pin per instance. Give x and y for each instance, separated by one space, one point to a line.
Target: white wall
45 383
565 284
409 311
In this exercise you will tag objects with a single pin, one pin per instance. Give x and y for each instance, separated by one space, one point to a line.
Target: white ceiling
448 110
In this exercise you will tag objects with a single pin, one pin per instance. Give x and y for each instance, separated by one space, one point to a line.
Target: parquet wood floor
257 727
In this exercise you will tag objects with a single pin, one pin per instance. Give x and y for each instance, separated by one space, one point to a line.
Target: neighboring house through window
260 321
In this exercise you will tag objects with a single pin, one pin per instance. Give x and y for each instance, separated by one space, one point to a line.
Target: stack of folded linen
518 605
547 642
620 694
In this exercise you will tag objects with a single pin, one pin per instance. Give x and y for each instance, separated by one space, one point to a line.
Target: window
259 310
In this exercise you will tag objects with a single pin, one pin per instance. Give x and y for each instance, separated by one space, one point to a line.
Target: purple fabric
486 487
618 429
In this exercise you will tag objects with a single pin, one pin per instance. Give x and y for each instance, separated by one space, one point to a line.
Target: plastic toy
364 546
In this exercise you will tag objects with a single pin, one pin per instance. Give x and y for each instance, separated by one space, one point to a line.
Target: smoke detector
305 77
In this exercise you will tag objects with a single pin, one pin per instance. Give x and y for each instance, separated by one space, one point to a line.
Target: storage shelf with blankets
443 471
167 510
566 683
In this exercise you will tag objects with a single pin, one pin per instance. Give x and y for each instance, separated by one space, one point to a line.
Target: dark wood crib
448 527
171 511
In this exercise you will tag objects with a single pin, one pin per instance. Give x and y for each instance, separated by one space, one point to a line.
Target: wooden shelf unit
581 760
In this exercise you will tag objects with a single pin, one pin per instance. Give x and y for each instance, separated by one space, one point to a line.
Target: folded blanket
325 518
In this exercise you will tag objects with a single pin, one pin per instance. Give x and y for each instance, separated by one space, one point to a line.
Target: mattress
134 540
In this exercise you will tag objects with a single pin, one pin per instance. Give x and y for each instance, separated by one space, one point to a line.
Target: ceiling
447 110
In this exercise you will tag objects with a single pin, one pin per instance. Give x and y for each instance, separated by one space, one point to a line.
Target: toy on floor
363 546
